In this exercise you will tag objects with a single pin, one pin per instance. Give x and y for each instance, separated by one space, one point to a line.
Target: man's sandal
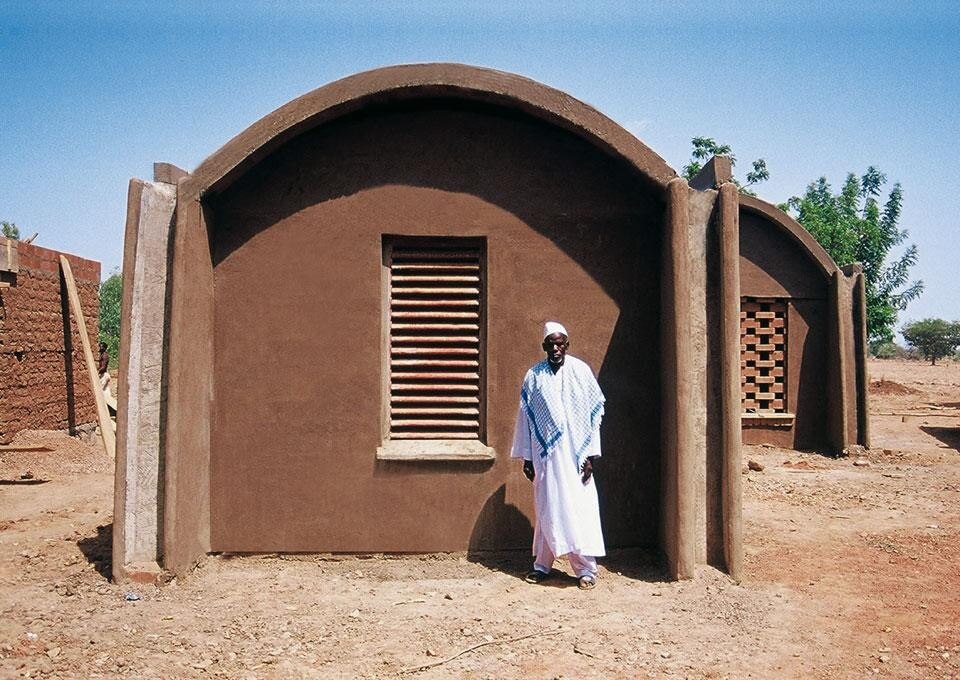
587 583
536 576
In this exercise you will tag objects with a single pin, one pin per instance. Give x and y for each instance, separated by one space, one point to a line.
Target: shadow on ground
99 550
948 435
640 564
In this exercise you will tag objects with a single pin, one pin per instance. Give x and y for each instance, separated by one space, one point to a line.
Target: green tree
110 295
852 227
933 338
10 230
705 147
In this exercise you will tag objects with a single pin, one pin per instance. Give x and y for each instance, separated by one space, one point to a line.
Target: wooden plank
432 422
14 448
435 339
466 290
437 411
434 399
397 314
460 351
434 387
452 363
433 266
9 255
103 416
434 376
421 327
466 302
399 255
438 279
433 435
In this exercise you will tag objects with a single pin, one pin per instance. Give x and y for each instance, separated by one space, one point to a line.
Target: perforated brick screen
763 355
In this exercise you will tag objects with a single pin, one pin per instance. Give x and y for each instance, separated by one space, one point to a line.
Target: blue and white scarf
544 405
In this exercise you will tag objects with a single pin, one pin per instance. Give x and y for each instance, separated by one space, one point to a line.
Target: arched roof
398 83
794 230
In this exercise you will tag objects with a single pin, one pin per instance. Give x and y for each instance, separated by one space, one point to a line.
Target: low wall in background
43 380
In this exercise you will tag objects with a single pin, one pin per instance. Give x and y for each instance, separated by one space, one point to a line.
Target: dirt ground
852 570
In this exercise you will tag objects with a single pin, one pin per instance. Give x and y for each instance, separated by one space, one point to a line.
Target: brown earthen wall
773 265
43 379
571 235
185 456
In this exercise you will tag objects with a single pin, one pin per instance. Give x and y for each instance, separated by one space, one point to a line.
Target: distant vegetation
933 338
110 295
10 230
852 227
706 147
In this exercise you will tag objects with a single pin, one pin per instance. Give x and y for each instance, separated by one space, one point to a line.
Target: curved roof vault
793 230
398 83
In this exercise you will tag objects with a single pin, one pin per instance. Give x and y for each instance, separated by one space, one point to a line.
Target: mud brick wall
43 378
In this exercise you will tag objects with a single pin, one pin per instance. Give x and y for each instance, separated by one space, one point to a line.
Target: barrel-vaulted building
327 322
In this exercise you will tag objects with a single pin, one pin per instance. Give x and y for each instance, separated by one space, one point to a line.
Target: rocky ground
852 570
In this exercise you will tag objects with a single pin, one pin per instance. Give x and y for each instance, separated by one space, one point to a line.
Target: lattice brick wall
763 355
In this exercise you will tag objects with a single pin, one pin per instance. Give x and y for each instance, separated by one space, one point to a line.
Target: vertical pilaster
837 366
863 405
189 365
730 379
679 459
138 483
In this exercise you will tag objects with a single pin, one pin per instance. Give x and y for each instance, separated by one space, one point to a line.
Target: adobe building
43 378
326 324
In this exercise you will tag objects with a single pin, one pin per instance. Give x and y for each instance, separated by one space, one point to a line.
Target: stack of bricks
763 354
43 378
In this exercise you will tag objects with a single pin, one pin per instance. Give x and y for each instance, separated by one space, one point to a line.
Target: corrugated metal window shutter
436 338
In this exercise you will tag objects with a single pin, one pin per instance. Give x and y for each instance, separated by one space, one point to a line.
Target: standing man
558 437
103 368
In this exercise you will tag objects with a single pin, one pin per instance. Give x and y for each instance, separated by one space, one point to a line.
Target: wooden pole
106 425
730 378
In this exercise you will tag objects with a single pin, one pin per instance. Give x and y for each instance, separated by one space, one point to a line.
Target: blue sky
94 92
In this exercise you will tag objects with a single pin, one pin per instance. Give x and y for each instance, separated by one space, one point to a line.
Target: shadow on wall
601 212
498 518
68 357
811 409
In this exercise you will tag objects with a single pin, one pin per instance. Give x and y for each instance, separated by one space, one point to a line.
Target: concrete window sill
435 449
767 419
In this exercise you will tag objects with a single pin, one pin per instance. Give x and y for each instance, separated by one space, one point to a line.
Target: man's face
555 346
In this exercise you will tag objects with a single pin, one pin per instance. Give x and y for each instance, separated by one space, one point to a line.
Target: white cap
552 327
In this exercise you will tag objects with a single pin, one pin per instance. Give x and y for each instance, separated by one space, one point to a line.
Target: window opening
436 338
763 355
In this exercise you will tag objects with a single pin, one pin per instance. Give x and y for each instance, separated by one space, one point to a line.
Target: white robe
568 513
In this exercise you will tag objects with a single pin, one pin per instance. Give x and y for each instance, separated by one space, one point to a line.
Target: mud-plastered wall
43 379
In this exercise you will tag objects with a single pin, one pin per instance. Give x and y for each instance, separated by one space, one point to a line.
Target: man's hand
586 470
528 470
